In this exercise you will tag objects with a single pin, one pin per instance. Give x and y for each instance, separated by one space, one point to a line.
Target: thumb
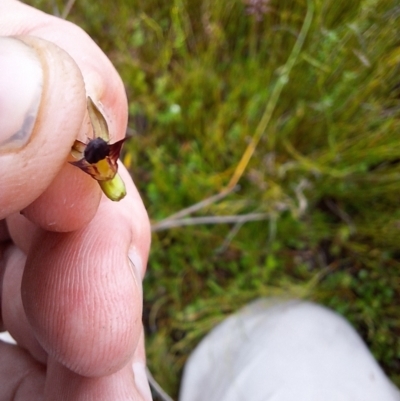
42 108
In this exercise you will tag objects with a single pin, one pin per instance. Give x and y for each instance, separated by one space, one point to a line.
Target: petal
87 168
99 123
115 150
77 149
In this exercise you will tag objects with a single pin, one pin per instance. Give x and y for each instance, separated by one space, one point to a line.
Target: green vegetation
313 87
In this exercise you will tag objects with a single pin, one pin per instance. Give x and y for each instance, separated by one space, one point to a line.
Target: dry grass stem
192 221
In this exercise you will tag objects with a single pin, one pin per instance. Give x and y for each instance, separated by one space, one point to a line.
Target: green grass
318 98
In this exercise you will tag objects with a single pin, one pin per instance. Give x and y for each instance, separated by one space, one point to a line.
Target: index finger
81 290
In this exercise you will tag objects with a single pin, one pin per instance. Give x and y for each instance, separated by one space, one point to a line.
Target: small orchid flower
98 158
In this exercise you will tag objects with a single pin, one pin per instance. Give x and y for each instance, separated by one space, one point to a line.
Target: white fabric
284 351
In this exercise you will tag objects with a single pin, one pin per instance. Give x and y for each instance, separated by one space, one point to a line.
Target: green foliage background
203 79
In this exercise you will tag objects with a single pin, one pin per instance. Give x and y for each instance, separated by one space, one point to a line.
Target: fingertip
69 203
74 387
22 231
58 122
82 300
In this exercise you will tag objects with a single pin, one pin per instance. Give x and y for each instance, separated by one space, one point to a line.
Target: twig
191 221
234 230
156 387
303 203
341 214
200 205
67 9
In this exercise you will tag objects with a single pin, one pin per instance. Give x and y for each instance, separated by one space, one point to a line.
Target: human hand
71 261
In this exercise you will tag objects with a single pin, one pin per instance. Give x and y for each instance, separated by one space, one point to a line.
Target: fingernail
21 83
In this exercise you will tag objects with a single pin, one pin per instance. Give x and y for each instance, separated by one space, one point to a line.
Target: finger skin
22 231
13 313
65 385
130 383
67 204
22 377
4 234
134 223
139 370
2 270
36 165
81 294
102 82
82 299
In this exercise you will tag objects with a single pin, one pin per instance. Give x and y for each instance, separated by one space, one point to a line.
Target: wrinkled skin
71 261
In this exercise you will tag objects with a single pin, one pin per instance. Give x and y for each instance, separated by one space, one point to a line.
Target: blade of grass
156 387
67 9
282 80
